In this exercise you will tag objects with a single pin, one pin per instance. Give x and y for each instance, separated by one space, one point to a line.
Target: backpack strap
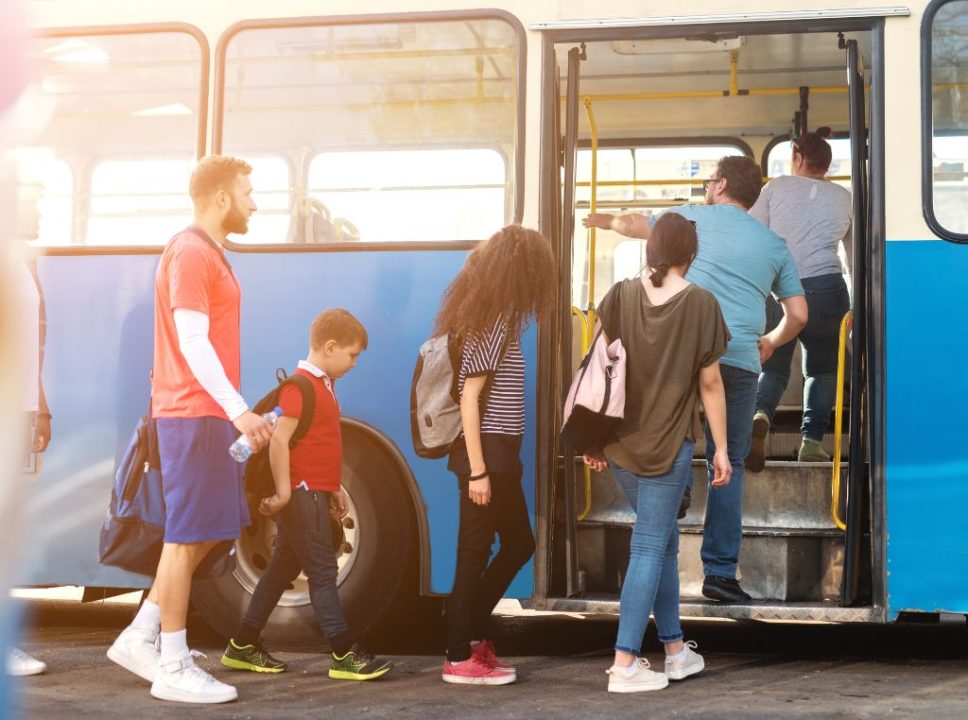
308 393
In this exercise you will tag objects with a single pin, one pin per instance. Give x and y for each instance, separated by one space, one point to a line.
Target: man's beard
235 222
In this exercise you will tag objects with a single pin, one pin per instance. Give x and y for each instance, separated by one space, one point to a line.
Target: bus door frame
556 223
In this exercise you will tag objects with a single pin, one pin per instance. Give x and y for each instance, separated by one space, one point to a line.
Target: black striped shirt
481 355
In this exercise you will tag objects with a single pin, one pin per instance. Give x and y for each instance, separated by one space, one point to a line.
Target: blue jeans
723 526
827 302
304 543
652 579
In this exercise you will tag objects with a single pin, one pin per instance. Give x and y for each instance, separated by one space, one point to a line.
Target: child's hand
339 506
272 505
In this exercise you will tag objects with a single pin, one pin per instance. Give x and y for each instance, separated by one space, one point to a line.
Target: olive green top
666 345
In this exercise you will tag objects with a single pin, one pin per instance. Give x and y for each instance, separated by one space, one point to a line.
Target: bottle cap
277 410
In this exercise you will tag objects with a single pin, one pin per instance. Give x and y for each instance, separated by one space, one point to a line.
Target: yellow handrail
839 422
577 312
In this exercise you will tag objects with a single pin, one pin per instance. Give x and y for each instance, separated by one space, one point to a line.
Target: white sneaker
183 681
20 664
679 668
136 650
639 679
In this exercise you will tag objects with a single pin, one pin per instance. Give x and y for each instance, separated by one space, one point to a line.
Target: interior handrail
845 325
583 320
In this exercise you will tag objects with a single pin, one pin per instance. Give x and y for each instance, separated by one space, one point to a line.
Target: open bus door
856 584
567 234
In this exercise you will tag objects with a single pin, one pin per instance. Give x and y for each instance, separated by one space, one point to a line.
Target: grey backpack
435 421
434 401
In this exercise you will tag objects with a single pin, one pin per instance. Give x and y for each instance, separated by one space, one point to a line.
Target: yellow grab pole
577 312
845 325
589 321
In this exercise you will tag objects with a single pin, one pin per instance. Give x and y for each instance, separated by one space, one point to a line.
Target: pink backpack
595 403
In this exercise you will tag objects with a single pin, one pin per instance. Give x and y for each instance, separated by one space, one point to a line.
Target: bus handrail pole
583 321
845 324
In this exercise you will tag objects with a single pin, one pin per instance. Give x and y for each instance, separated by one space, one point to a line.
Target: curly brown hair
510 276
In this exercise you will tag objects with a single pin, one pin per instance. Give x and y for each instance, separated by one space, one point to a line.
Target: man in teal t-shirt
741 262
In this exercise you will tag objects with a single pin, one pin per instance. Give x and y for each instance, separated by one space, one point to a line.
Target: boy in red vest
307 481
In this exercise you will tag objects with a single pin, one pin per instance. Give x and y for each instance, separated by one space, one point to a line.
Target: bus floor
753 670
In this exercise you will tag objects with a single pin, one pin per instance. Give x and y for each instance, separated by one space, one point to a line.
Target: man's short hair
744 179
214 173
339 325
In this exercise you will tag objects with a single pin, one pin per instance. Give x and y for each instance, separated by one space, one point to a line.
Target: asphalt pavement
754 670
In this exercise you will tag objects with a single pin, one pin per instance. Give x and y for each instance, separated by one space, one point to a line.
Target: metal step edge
695 608
747 531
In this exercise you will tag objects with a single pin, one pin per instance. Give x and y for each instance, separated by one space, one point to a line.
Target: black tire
384 550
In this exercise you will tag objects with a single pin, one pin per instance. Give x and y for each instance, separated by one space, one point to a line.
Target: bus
385 145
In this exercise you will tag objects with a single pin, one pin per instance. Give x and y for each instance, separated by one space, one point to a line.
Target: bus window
116 101
779 160
948 151
47 184
392 121
138 202
646 179
457 194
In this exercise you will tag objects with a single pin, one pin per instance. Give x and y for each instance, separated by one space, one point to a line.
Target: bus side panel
99 354
96 376
927 455
396 296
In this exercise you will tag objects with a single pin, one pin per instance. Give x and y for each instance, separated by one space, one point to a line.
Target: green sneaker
358 664
811 451
251 657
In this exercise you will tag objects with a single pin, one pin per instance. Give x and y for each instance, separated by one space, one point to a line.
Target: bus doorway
644 119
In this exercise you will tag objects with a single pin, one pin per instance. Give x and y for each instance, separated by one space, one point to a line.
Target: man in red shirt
307 482
199 412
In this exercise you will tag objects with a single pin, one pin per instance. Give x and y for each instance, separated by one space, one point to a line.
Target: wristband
45 416
478 477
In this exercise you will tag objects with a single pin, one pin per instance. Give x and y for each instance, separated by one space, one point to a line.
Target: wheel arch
405 476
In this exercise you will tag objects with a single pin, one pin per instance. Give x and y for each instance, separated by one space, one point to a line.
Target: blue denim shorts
203 485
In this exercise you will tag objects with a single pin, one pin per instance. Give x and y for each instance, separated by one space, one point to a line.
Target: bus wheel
374 544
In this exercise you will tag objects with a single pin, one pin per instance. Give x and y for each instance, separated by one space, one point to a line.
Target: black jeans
303 544
478 584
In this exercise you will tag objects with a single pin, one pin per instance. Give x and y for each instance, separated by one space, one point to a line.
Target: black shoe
685 502
725 590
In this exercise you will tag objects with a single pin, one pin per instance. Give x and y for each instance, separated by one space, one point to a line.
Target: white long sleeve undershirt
197 349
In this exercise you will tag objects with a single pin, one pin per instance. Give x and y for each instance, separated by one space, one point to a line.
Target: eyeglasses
710 181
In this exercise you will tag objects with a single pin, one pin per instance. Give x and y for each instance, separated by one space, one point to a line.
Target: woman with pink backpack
673 333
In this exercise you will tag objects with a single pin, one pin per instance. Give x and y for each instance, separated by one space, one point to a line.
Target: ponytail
658 274
815 150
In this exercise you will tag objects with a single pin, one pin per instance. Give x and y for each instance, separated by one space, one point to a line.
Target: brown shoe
756 460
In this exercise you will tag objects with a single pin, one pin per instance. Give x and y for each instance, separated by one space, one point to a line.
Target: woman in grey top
813 215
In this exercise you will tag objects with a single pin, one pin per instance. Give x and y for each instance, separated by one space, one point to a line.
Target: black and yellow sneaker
358 664
251 657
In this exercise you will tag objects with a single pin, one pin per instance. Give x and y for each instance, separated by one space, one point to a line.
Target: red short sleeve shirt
318 458
193 274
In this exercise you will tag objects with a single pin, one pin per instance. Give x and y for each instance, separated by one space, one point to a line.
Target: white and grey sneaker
686 663
635 678
137 651
183 681
20 664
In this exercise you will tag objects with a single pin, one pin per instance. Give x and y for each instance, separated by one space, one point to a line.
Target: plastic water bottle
240 450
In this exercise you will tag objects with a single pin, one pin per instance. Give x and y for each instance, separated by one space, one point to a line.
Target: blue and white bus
385 144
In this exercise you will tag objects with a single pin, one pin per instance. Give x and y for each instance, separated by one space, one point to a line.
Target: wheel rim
254 549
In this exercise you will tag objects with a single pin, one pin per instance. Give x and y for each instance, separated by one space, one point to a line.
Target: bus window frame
518 177
200 137
927 128
780 139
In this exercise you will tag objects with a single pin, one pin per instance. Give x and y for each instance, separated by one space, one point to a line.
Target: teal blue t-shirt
740 261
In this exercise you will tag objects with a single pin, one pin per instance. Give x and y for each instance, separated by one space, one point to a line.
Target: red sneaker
474 671
485 651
